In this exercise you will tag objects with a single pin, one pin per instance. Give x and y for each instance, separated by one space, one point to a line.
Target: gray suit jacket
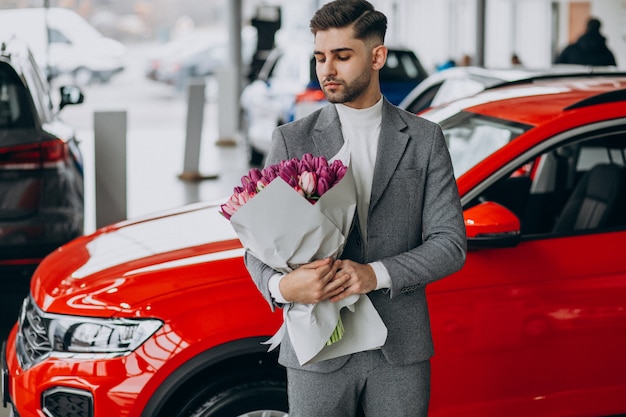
415 223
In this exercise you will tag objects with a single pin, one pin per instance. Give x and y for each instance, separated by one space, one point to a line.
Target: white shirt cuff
275 289
383 280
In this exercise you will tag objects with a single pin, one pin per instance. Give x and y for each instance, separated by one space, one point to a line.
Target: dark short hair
368 22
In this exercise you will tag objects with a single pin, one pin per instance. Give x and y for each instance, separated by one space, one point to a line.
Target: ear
379 57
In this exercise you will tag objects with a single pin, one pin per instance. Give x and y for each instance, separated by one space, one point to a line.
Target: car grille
67 402
33 344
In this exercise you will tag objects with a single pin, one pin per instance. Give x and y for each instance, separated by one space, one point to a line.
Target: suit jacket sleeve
437 248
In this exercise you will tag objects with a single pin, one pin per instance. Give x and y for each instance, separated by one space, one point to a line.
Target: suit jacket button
359 242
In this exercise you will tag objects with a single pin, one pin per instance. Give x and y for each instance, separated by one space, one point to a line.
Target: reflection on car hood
94 271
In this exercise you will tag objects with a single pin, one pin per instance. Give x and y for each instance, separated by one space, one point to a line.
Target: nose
325 69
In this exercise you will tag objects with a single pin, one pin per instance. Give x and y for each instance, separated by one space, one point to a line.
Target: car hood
107 272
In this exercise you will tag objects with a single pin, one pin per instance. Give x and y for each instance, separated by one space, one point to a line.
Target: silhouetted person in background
589 49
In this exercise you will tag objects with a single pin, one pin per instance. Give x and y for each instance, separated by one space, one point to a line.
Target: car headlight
41 335
105 336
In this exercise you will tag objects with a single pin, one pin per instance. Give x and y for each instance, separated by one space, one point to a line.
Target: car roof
533 101
13 50
458 82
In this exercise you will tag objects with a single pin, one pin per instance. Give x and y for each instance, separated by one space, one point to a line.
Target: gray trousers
367 381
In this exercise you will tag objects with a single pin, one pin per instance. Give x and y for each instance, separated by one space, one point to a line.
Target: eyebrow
334 51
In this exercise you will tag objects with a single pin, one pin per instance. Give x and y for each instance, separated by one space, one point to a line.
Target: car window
14 103
471 138
575 187
425 99
55 36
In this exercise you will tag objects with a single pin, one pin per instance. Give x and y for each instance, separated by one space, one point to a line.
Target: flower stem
337 333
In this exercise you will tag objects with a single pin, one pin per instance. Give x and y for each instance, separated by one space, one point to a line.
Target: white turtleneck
361 129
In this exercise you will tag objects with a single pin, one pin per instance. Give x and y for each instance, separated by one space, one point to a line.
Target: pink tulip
261 184
231 206
299 190
226 211
242 198
308 183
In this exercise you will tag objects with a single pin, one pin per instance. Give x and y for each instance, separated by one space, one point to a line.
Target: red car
157 317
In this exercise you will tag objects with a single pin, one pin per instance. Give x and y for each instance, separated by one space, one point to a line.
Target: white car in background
198 54
458 82
63 42
268 101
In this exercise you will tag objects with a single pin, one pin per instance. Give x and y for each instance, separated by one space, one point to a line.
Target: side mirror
70 94
490 225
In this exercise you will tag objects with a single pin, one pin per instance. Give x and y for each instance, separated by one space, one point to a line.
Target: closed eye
320 58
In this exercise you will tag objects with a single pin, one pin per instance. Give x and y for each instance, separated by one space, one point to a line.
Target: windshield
472 137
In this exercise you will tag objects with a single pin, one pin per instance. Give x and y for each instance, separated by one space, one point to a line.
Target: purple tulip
269 173
248 184
306 163
320 162
289 174
255 175
322 186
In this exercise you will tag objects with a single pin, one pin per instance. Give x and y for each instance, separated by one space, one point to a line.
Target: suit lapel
393 139
327 135
391 145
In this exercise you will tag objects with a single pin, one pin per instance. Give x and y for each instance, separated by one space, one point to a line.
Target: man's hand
355 278
313 282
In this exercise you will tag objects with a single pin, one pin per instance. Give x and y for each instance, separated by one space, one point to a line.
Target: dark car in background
41 173
287 89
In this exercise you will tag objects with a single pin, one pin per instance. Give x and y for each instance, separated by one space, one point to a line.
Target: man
589 49
408 229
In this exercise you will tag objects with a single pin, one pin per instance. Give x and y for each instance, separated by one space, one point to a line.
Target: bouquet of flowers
310 177
290 214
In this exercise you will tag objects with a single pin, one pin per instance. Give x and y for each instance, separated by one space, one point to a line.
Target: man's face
345 68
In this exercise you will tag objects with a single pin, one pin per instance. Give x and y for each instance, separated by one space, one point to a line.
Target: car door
538 328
